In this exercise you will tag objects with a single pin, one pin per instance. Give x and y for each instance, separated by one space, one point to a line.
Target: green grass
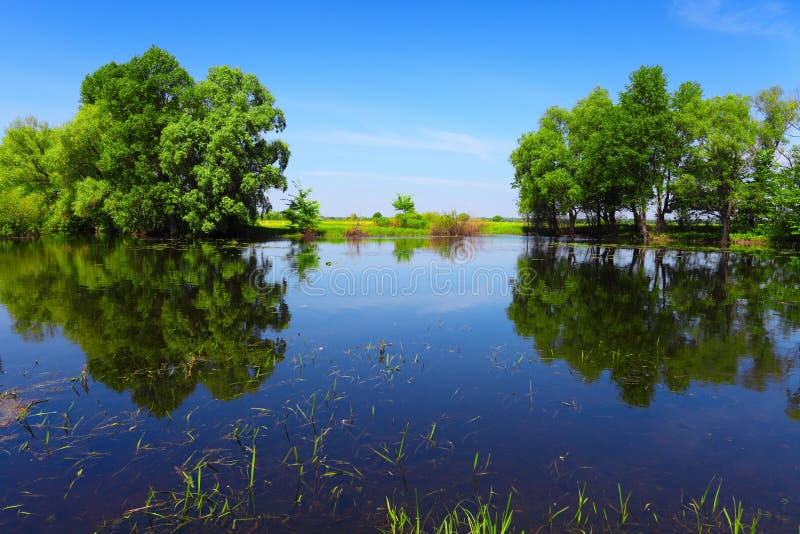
704 236
503 227
330 228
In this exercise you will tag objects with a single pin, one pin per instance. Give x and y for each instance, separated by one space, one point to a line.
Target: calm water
136 366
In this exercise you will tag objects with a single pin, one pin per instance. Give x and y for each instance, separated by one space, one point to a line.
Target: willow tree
592 148
725 156
26 182
141 97
644 135
544 171
219 151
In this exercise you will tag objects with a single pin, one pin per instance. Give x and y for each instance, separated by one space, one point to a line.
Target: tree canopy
675 154
151 151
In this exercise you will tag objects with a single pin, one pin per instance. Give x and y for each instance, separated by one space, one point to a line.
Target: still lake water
308 383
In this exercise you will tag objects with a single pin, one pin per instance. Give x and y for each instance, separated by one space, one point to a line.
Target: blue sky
421 98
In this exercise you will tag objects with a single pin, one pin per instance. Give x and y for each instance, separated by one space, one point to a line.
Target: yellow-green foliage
20 213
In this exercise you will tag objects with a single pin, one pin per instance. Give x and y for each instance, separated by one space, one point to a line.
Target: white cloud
406 179
426 140
762 18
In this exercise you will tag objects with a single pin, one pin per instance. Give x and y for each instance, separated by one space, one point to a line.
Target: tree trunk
725 218
635 213
641 222
554 221
612 220
661 205
573 214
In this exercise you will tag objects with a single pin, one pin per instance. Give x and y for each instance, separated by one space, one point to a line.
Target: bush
274 216
456 225
377 215
355 232
382 221
497 218
410 220
302 212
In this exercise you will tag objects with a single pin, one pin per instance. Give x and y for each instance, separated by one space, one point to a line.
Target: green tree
82 183
220 150
302 212
591 124
724 159
778 116
403 203
27 187
644 134
141 97
686 105
544 171
783 219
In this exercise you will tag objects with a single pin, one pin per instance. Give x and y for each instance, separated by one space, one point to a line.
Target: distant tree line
676 155
150 150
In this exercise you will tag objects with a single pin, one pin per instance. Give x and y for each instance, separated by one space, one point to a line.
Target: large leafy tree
82 182
644 135
219 153
544 172
149 151
760 195
779 115
141 97
725 155
592 147
686 105
26 178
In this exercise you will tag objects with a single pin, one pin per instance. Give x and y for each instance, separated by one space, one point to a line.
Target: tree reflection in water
156 320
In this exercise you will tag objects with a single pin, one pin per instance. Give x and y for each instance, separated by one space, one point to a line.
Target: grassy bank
336 229
701 235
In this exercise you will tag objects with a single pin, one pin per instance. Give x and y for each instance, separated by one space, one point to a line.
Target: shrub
355 232
273 216
302 212
377 215
497 218
452 224
382 221
410 220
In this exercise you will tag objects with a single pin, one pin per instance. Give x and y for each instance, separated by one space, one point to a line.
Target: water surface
135 367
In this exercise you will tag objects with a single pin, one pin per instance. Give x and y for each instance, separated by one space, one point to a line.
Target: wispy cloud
425 140
766 18
407 179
